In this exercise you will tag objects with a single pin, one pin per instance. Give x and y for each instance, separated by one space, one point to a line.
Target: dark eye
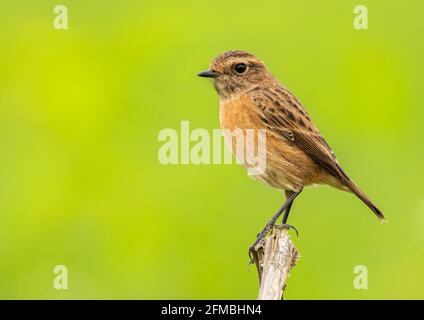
240 68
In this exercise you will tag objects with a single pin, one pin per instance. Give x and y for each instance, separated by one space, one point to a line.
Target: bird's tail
361 195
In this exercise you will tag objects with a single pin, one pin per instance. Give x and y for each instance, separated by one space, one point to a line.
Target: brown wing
285 116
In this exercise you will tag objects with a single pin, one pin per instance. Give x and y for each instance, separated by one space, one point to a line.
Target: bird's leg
288 194
271 223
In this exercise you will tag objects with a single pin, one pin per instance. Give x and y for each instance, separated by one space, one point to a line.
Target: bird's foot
259 238
263 233
288 227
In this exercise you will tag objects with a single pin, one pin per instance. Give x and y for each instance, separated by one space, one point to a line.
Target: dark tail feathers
361 195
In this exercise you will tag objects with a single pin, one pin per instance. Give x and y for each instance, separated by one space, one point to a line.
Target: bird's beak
208 74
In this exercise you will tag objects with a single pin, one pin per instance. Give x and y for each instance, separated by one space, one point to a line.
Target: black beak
208 74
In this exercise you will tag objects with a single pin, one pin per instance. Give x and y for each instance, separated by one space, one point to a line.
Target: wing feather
285 116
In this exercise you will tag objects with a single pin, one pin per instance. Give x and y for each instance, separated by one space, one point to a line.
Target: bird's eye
240 68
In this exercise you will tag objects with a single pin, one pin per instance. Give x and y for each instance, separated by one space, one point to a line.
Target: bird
297 155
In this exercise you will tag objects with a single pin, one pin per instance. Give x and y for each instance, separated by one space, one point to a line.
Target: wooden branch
274 257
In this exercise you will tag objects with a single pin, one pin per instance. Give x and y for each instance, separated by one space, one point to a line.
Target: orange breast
287 167
240 113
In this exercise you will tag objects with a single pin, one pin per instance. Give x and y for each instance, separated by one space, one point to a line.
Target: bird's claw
262 234
288 227
251 251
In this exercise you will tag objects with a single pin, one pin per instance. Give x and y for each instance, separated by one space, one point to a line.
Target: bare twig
274 257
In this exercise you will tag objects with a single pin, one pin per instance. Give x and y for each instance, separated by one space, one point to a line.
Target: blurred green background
81 184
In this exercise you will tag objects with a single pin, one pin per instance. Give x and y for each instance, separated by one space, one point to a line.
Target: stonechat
297 155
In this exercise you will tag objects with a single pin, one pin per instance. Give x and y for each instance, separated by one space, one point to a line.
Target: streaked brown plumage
297 155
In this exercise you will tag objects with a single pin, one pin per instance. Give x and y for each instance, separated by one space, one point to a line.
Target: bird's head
234 72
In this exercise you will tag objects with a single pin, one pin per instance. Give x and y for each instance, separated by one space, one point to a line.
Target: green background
81 184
